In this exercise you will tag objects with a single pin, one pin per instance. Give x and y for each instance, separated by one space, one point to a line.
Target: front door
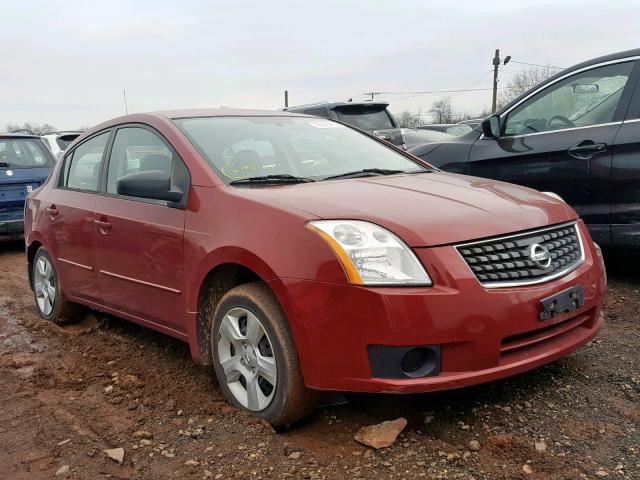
625 179
560 140
139 242
69 208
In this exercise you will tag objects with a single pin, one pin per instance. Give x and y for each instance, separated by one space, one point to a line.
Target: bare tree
33 127
407 119
523 82
442 111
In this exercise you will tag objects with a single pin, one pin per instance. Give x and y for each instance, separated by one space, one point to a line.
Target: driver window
585 99
137 149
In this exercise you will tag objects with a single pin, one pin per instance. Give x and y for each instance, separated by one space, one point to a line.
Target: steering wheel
567 123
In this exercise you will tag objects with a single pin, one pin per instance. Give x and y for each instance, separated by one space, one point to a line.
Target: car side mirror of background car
491 126
151 184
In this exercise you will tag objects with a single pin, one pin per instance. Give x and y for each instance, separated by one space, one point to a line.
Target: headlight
370 254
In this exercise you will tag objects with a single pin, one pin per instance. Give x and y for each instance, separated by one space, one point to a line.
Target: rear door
69 210
560 139
139 242
625 177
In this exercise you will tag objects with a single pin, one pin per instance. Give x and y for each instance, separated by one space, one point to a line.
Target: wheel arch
221 271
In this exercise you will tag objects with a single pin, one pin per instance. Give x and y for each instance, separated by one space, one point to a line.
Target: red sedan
296 254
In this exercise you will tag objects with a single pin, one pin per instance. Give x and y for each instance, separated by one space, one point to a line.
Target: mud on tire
234 358
52 305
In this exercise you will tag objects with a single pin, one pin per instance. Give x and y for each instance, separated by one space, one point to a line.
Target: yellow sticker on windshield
238 169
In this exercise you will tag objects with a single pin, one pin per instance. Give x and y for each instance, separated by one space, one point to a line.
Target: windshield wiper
365 172
280 178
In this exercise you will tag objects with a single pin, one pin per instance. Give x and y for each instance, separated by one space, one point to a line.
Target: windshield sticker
238 169
325 124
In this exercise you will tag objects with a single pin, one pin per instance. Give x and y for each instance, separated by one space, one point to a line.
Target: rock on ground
116 454
381 435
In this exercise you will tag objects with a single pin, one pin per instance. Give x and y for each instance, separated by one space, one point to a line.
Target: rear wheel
255 357
51 302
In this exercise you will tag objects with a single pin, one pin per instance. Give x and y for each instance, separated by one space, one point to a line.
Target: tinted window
366 118
587 98
305 147
24 153
84 169
136 150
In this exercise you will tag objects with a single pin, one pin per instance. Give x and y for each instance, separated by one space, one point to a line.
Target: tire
265 362
60 310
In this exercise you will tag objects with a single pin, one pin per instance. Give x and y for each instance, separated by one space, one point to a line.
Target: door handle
52 210
586 150
103 225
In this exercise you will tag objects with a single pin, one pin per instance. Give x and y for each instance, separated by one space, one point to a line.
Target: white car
59 141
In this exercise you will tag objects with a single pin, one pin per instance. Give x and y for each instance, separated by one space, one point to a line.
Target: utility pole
372 94
286 98
124 96
496 64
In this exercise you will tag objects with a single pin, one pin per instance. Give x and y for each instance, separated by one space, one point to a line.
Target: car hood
425 209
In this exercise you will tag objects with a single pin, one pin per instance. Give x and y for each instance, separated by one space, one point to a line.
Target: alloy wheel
246 356
44 283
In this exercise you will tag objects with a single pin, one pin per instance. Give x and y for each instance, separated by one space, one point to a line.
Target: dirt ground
69 393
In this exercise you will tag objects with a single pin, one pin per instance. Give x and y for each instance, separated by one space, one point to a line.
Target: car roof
331 105
222 112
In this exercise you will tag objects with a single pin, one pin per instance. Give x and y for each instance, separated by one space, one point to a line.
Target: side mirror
491 126
152 184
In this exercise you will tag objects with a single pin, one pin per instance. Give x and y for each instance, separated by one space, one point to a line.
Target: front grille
525 258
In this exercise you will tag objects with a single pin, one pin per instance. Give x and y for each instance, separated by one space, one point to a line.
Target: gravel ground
69 393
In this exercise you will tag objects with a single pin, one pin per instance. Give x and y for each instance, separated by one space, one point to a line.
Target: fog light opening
418 362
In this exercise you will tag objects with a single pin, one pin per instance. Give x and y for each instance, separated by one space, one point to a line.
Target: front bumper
483 334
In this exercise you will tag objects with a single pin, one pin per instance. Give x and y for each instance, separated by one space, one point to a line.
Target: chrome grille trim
517 283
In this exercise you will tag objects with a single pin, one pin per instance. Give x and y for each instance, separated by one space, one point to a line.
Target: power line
537 65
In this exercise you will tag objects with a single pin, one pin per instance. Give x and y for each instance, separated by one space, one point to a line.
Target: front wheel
255 357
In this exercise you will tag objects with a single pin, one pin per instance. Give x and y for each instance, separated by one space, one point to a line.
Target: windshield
243 147
366 118
24 153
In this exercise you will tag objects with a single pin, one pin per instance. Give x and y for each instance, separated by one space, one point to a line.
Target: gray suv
371 117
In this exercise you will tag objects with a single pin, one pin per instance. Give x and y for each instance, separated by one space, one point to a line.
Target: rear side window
24 153
366 118
136 150
83 167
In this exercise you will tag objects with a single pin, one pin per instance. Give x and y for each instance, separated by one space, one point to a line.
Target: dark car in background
414 137
372 117
25 163
455 129
576 134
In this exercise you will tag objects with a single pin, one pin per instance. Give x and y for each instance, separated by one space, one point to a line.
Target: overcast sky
67 63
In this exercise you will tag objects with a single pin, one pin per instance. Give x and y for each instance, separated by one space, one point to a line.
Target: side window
85 163
136 150
585 99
